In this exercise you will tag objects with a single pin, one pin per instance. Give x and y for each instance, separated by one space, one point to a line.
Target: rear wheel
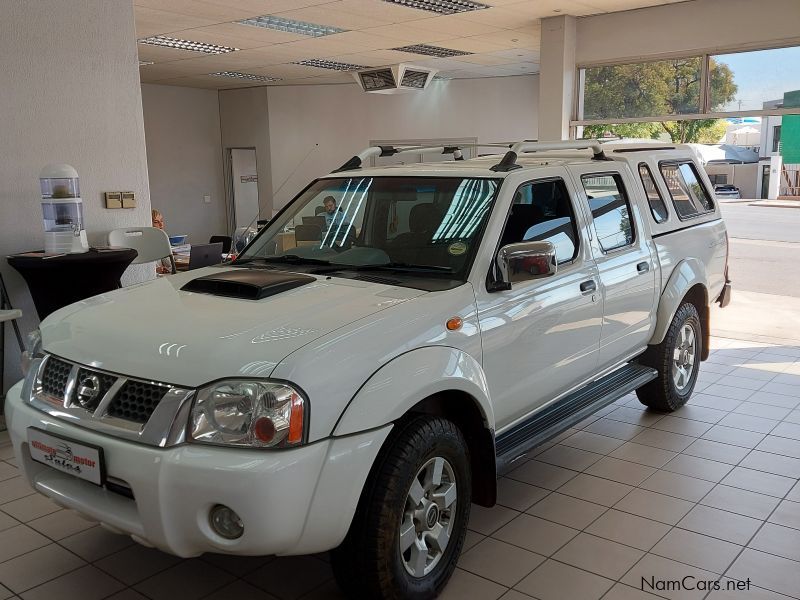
677 360
409 528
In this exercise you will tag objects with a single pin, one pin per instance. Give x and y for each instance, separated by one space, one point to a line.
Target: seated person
164 266
337 228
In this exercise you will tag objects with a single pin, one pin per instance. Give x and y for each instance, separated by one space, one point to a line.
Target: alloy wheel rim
428 517
684 357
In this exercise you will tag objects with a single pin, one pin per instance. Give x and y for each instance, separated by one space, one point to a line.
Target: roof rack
358 159
377 151
509 161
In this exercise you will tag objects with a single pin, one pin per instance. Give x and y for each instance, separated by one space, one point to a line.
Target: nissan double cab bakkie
364 370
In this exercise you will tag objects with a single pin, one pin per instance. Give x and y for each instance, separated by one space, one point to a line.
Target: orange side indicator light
454 323
296 421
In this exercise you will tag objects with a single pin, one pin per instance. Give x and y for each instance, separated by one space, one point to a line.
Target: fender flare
397 386
686 274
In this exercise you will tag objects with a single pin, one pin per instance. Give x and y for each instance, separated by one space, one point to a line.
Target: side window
542 211
657 206
611 210
688 194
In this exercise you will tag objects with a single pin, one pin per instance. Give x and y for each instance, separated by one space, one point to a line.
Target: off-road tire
662 393
369 563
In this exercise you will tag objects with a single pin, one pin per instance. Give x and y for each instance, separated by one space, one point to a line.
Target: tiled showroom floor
710 491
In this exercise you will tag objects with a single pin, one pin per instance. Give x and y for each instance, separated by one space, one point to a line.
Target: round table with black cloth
57 281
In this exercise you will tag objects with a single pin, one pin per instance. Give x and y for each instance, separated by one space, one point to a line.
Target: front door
623 257
540 338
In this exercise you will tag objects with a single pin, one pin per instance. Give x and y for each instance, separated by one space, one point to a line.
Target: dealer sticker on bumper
67 456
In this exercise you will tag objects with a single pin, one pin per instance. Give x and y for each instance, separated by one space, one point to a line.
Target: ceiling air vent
394 79
375 81
414 79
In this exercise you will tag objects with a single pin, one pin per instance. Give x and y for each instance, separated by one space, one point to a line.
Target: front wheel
677 360
410 524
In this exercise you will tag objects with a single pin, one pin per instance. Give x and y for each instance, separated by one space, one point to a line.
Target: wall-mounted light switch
128 200
113 199
207 199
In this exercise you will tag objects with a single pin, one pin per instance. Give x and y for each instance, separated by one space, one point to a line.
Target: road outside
765 270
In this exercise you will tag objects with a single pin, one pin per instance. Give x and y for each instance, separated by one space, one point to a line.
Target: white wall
245 193
69 92
686 27
245 124
184 159
328 124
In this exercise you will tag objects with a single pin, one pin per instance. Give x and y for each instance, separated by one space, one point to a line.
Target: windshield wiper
289 259
399 266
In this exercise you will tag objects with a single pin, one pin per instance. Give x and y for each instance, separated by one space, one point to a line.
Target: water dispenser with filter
62 210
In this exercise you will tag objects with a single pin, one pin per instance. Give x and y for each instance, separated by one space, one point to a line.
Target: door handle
643 267
587 287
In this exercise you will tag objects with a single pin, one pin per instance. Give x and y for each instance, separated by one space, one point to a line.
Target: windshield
426 225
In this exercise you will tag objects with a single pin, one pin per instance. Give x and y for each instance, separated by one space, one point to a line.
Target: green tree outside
665 87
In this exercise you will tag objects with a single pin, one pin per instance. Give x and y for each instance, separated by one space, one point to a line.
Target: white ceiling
503 39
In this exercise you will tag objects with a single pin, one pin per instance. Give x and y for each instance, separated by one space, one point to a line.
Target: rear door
623 256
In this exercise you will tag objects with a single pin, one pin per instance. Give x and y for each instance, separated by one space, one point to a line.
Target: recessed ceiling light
144 63
444 7
248 76
169 42
431 51
291 26
322 63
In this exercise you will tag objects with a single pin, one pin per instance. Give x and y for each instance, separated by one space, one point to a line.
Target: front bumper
291 502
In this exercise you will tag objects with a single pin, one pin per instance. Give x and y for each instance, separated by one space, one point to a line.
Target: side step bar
555 418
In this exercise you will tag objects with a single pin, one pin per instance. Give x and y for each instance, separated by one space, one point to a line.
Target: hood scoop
247 284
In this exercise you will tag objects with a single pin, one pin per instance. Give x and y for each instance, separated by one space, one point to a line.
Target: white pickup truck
388 344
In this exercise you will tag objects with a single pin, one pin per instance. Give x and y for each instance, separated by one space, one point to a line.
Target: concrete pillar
556 77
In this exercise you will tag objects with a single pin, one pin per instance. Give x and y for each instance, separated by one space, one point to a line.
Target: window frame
617 175
682 161
658 191
576 224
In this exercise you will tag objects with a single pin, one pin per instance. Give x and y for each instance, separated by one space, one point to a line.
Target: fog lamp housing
225 522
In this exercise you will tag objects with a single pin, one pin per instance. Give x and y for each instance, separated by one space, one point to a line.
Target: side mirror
525 261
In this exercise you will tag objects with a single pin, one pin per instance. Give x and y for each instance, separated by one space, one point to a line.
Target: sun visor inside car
247 284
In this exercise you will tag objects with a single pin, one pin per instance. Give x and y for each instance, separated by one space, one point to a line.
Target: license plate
68 456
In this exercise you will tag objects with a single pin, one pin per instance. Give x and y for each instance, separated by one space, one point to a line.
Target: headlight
34 350
261 414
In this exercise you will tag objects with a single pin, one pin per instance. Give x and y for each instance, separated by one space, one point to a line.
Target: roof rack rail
358 160
509 161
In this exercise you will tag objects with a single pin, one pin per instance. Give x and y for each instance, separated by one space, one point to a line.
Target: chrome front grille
143 411
55 376
136 401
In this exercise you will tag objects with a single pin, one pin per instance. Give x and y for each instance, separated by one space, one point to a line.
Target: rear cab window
689 196
611 210
658 208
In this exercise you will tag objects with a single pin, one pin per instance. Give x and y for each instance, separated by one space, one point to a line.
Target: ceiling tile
547 8
487 59
330 15
454 24
360 41
150 21
504 18
473 44
260 35
385 11
197 8
407 33
377 58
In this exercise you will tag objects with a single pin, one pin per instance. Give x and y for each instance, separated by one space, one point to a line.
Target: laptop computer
204 255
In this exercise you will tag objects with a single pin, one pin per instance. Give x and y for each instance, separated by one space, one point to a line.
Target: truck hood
157 331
